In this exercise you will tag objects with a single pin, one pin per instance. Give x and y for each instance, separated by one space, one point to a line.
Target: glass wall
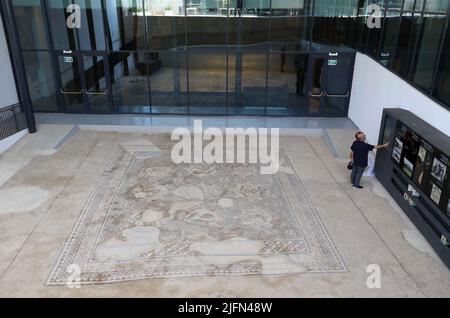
125 25
89 37
428 47
41 80
249 57
30 24
127 68
413 43
168 82
442 87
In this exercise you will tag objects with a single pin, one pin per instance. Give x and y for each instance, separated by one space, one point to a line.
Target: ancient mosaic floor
148 217
113 205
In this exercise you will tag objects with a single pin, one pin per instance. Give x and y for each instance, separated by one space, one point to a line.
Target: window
126 24
165 24
41 81
442 89
428 51
91 34
30 24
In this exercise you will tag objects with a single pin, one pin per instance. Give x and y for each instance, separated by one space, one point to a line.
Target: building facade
219 57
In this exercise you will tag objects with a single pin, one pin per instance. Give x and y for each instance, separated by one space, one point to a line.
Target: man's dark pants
357 173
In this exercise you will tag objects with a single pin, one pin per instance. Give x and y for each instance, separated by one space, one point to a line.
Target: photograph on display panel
439 169
397 151
426 166
423 167
436 194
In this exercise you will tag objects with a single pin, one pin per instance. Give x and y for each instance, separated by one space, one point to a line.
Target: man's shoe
358 187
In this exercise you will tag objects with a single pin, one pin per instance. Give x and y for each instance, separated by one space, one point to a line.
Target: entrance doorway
330 81
84 82
274 84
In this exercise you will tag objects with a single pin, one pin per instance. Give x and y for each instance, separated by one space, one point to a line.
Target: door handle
314 95
70 93
343 96
97 93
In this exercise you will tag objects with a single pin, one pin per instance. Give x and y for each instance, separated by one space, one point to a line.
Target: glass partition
41 80
129 80
290 26
442 88
428 47
126 25
166 25
31 24
168 83
223 56
77 24
206 24
207 83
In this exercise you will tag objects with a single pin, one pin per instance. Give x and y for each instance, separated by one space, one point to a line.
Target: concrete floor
42 197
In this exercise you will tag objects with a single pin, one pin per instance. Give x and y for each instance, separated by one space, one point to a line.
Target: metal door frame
87 109
313 56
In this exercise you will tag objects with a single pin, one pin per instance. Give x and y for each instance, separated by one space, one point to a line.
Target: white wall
8 90
375 88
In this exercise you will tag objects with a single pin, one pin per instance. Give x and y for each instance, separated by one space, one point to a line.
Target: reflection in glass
289 25
71 86
335 8
169 83
339 73
389 128
428 51
96 84
409 5
249 24
41 81
206 23
64 38
337 86
207 83
395 5
30 24
333 22
165 24
91 34
440 6
286 83
316 82
443 76
406 43
234 37
389 44
128 72
374 35
126 24
252 89
335 106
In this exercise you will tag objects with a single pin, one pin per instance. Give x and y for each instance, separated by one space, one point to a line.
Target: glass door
248 39
84 82
97 89
330 80
70 80
206 36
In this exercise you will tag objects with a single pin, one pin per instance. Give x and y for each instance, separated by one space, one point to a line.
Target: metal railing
12 120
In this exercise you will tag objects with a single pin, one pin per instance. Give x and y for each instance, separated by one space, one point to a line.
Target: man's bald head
360 136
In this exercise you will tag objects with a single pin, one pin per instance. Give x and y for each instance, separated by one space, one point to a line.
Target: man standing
359 157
